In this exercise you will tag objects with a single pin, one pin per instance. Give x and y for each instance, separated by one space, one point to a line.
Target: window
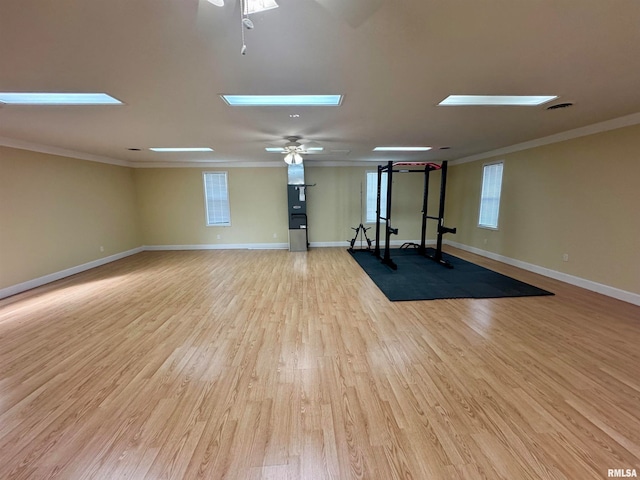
490 196
372 196
216 196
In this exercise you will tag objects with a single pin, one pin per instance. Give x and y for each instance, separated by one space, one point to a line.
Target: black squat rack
412 167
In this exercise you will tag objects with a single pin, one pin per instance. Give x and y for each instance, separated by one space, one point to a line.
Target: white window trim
489 227
206 204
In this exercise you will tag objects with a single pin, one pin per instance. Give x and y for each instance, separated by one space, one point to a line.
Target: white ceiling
168 60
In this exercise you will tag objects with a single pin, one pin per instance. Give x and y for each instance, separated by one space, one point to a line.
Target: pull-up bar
432 166
426 168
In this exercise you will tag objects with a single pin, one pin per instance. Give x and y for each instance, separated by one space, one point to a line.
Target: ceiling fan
294 149
250 6
246 7
354 12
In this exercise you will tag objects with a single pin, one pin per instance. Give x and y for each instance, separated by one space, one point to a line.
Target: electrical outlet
565 257
485 241
101 248
218 237
275 235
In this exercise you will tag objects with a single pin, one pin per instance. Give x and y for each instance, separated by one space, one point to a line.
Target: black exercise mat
418 278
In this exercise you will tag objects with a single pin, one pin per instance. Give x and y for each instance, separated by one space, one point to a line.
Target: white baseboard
37 282
346 243
264 246
220 246
623 295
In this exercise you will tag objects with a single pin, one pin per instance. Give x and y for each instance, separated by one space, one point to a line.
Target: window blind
490 196
216 199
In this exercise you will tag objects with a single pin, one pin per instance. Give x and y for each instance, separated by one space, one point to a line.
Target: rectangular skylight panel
500 100
401 149
38 98
256 6
282 100
181 149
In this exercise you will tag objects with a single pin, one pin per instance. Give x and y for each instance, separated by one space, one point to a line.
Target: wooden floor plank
271 364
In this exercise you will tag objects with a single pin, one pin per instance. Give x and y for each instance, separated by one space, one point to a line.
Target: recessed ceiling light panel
401 149
499 100
41 98
181 149
282 100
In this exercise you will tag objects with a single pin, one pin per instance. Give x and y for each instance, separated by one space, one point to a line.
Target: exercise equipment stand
441 230
360 229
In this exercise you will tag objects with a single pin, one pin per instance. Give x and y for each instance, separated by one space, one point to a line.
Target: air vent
560 105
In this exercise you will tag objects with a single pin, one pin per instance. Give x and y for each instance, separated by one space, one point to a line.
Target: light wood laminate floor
278 365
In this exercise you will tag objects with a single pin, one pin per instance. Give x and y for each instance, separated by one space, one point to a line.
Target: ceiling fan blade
210 14
354 12
311 145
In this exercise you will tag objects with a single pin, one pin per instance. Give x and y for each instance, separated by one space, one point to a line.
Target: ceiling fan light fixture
293 158
217 3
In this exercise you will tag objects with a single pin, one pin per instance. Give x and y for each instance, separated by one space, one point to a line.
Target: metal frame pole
423 240
387 241
376 250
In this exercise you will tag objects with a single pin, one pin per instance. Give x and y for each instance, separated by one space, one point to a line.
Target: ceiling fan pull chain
243 50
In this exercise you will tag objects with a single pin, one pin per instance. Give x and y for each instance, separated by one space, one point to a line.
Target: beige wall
172 212
56 213
334 203
172 208
579 197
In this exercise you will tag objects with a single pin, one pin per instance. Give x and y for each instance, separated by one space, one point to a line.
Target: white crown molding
252 164
613 124
209 164
61 152
610 291
621 122
347 163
